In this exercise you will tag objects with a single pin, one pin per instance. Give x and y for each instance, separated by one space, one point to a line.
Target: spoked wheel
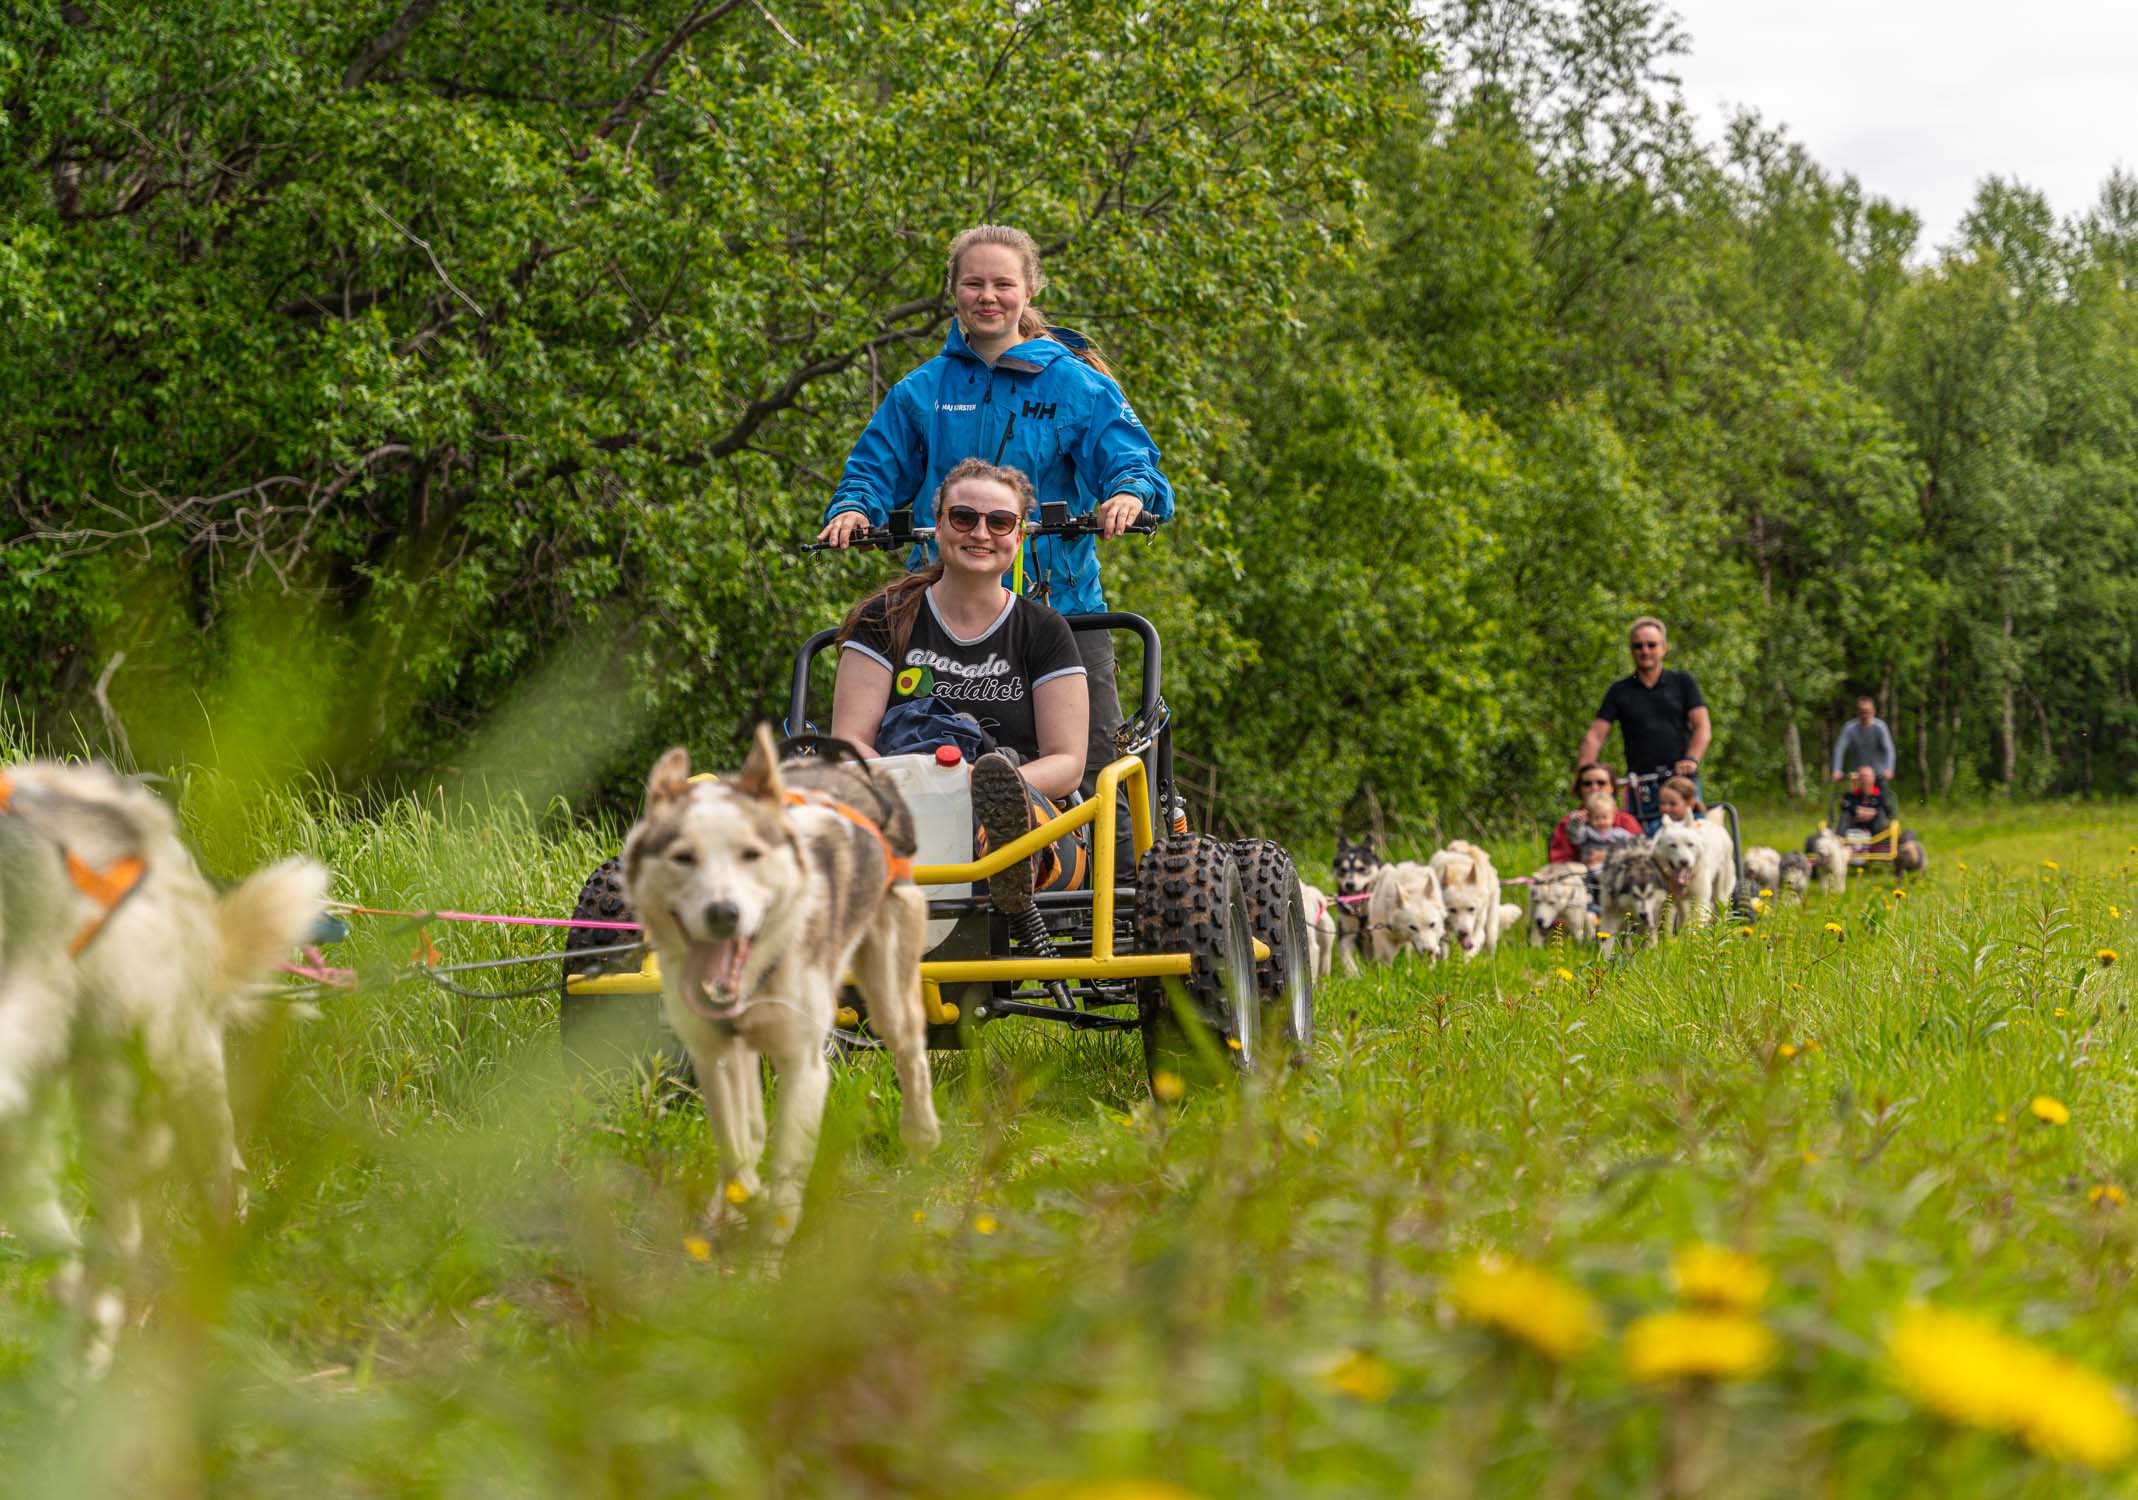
1206 1024
1286 978
604 1030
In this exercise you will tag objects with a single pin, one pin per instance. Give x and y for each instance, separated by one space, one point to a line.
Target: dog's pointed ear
759 776
670 778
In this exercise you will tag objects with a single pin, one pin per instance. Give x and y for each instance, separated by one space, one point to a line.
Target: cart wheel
1190 899
605 1029
1286 978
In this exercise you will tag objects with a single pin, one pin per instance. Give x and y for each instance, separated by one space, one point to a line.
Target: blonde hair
902 595
1031 322
1646 622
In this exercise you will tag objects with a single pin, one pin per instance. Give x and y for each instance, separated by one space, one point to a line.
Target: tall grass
468 1271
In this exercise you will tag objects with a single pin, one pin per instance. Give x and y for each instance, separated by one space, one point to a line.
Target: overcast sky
1921 100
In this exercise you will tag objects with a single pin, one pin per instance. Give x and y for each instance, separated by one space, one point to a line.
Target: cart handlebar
900 533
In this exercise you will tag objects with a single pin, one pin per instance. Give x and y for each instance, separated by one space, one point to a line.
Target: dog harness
108 887
896 866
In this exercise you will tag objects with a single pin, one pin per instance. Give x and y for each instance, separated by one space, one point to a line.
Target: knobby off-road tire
1190 899
606 1030
1278 910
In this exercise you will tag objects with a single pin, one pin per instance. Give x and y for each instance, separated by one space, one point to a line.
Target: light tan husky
121 968
761 892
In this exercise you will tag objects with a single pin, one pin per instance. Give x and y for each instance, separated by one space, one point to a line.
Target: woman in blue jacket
1009 389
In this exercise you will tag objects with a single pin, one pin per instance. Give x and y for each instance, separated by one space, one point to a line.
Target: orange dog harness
108 887
896 866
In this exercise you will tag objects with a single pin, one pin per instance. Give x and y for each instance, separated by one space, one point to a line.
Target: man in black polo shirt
1661 715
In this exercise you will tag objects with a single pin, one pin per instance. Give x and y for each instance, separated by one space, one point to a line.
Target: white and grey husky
761 893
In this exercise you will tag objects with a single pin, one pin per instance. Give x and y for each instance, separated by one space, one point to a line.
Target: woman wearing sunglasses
1589 780
951 630
1011 388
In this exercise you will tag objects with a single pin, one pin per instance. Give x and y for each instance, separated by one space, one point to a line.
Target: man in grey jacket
1865 741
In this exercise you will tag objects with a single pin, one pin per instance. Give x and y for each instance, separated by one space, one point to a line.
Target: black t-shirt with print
990 676
1656 721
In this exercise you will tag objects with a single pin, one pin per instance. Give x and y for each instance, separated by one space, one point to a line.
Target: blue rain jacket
1040 409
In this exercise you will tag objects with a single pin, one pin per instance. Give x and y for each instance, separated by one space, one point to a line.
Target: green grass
467 1273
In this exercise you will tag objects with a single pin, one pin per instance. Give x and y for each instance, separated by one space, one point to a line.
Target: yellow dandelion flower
2050 864
1744 932
697 1247
1566 976
1786 1051
1968 1371
1997 1118
2106 1195
1361 1376
1963 867
1899 894
1759 905
1766 893
1834 928
1552 1316
920 1216
2107 956
1168 1086
985 1224
1703 1344
1602 936
1233 1042
736 1193
1813 1044
2049 1111
2114 912
1719 1277
1811 1158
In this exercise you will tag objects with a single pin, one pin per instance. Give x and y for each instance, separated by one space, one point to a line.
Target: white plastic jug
937 786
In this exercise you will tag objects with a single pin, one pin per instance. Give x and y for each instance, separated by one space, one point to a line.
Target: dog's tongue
712 975
1680 879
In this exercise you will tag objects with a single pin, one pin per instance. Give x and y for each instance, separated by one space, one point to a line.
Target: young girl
1597 828
1680 800
952 631
1012 390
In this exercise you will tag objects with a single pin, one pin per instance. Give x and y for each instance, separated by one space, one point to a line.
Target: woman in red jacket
1590 779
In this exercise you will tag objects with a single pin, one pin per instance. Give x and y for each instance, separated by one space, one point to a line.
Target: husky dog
1632 892
1355 868
1763 868
1321 929
1796 874
121 968
1829 856
1908 856
1470 888
1406 913
760 893
1559 897
1699 866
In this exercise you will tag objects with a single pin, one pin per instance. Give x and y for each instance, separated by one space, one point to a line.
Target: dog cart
1198 944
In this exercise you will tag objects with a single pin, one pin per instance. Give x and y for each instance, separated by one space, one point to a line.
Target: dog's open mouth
1681 878
711 980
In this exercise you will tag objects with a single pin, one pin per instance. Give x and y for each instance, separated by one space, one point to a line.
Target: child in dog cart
966 698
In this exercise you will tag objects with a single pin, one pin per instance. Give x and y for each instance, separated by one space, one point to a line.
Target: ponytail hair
1031 323
902 595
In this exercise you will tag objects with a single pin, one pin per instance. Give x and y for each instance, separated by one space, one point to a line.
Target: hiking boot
1004 814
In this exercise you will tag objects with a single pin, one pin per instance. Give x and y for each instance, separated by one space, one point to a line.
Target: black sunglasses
1647 645
1590 781
999 522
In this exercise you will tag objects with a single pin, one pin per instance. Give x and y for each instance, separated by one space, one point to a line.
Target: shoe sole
1005 815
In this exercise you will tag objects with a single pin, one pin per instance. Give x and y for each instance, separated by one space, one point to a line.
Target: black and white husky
1356 866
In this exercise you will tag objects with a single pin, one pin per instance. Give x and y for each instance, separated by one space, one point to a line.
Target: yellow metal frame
1879 849
1126 774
